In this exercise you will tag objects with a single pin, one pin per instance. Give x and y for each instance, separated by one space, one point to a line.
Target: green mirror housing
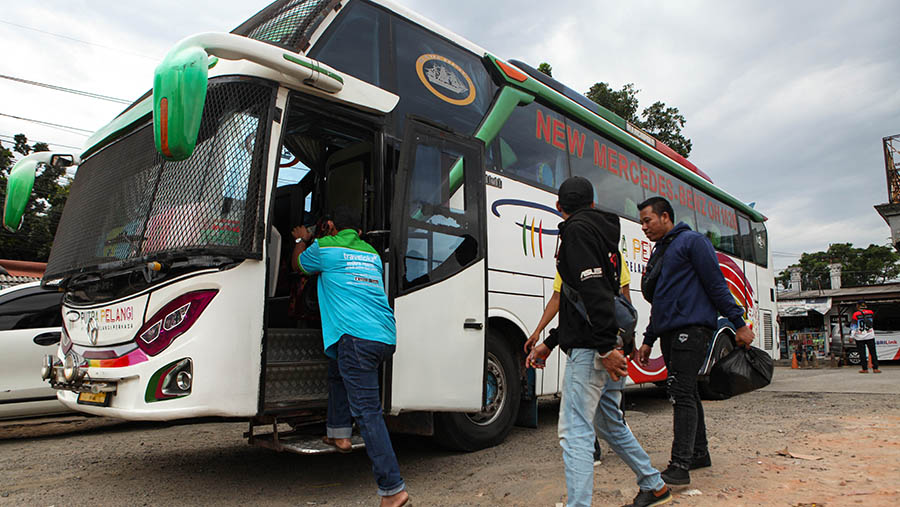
179 94
18 192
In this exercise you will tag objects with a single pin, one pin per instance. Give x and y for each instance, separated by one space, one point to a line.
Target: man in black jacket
689 291
595 369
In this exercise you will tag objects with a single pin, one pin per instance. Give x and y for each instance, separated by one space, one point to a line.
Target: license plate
97 399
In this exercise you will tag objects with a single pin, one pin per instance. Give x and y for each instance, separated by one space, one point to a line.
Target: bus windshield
128 205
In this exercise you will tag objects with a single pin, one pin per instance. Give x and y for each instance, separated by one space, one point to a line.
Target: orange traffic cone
870 362
794 364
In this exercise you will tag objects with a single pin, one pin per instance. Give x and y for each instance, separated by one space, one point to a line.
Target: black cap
575 193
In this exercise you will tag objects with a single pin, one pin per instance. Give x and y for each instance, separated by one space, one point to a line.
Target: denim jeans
590 408
353 391
684 351
861 347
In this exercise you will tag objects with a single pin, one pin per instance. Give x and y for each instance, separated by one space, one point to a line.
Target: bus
173 248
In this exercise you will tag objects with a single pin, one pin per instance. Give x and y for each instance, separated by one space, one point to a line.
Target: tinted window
526 155
438 80
681 196
760 243
718 222
34 310
619 176
441 215
352 44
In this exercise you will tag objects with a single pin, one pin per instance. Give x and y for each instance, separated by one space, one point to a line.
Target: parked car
30 320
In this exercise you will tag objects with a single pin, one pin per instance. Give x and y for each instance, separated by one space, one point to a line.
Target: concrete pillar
835 271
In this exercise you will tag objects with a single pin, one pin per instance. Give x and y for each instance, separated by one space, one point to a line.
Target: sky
786 102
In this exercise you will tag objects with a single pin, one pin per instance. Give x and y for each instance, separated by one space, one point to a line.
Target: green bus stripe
314 67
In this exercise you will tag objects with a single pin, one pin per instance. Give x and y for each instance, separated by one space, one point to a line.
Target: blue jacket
691 288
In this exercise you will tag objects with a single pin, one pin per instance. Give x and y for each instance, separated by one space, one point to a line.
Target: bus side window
525 157
717 222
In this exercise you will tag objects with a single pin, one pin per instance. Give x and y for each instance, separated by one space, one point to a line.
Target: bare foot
396 500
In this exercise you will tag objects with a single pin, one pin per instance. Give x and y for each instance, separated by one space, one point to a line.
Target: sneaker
675 476
876 370
649 498
864 371
700 462
598 457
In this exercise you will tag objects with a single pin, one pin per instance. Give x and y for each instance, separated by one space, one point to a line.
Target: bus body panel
226 334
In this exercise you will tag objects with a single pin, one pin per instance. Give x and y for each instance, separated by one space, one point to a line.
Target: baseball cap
575 193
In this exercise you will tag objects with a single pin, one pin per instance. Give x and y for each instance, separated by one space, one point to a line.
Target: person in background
552 309
689 291
864 333
359 334
588 265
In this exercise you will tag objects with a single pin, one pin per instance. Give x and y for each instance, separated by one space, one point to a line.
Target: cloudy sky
786 102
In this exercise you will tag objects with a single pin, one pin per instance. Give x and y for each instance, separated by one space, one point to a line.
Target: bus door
438 272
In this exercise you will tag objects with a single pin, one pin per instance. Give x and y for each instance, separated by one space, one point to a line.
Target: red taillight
172 320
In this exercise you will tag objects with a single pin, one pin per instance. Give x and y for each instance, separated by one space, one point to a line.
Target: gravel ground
97 462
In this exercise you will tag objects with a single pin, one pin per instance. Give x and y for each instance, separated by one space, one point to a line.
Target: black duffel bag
741 371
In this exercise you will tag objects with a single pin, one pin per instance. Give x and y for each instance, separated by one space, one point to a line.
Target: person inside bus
359 334
595 370
552 309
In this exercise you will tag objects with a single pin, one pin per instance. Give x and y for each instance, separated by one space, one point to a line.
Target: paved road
836 380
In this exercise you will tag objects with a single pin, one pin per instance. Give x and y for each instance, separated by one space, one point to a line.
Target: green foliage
51 188
662 122
545 68
859 266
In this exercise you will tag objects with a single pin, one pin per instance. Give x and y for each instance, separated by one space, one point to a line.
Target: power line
53 125
68 90
13 139
78 40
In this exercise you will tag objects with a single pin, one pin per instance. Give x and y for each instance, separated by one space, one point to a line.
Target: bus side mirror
62 160
18 191
179 94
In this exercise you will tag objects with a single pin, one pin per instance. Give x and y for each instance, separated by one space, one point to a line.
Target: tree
859 266
51 188
662 122
545 68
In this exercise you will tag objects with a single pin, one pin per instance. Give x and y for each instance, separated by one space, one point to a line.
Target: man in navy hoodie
689 291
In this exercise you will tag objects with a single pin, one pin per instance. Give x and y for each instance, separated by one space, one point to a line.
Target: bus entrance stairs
299 440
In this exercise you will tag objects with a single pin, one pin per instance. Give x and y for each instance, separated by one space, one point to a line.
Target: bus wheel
478 430
853 357
721 349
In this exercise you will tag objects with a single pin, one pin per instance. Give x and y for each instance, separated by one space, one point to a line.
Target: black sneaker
650 498
598 456
675 476
700 462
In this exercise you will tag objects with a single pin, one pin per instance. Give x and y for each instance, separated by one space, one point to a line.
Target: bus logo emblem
435 71
93 330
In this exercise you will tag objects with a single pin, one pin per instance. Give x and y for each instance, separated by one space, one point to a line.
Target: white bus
179 301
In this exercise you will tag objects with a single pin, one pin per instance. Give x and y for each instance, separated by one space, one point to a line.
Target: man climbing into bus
863 325
595 371
686 288
359 335
552 309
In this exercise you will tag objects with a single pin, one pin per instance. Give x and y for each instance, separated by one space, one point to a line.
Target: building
16 272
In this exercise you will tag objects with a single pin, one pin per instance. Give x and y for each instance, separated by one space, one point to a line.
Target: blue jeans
590 403
353 391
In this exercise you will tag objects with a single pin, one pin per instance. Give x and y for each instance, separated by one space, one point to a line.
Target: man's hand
537 357
529 343
301 231
643 355
744 337
616 365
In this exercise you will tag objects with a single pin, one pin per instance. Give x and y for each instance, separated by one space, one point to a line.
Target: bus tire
474 431
721 349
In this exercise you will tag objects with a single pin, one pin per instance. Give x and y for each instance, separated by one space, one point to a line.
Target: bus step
302 444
